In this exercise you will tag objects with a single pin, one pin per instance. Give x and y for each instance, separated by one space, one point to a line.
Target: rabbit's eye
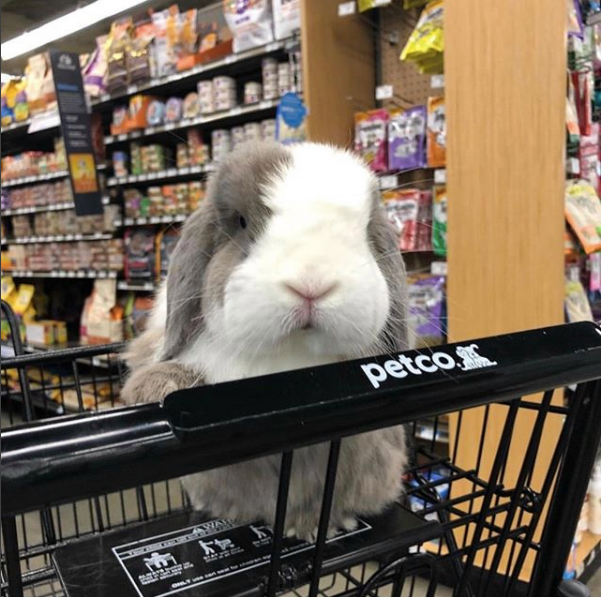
242 222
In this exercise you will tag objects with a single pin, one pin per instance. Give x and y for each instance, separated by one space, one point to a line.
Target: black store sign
77 132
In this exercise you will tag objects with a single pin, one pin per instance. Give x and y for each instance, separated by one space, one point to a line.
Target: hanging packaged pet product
437 132
291 119
370 138
407 139
425 46
439 221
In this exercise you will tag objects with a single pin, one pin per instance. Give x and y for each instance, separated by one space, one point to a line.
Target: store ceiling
18 16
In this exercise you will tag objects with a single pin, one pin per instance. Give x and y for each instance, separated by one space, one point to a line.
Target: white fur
316 237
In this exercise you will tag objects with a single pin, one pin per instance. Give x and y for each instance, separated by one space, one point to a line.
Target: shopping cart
91 503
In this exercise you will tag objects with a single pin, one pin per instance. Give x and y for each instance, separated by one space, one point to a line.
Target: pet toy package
370 138
437 132
250 23
407 139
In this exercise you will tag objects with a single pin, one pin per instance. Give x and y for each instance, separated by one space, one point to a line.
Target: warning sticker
200 554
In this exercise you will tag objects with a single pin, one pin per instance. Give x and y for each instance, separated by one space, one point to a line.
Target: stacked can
253 92
224 93
284 78
206 103
252 131
221 141
268 129
238 136
269 69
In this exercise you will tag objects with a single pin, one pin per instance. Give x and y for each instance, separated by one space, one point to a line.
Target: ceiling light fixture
5 77
63 26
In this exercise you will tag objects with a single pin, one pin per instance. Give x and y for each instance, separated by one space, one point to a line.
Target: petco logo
423 363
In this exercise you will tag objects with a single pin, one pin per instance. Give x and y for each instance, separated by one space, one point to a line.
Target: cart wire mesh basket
91 503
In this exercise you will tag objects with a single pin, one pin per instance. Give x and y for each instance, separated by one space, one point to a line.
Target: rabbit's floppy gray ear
383 238
185 281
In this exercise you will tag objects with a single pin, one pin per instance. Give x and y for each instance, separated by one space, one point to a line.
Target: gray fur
383 239
234 190
156 381
371 464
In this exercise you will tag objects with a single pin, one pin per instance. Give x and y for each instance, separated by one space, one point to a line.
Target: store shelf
151 220
41 177
31 179
36 209
185 123
136 287
62 274
59 238
200 69
36 124
161 175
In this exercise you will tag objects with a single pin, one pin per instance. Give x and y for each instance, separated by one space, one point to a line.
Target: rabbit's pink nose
310 293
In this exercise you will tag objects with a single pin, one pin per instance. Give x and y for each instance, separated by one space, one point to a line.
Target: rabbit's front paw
152 383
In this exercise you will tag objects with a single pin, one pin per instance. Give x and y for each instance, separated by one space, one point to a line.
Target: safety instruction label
204 553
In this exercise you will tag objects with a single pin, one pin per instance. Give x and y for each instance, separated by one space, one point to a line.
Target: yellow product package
425 45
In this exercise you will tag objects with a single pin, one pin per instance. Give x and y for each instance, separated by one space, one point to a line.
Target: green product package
439 221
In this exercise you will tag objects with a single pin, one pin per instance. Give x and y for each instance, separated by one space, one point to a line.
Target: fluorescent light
64 26
5 77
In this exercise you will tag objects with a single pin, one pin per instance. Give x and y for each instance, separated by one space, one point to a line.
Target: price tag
150 130
185 170
382 2
195 169
129 221
265 104
78 236
142 220
347 8
152 175
111 182
70 274
388 182
384 92
135 134
229 59
439 268
109 139
122 137
166 219
143 177
169 126
235 111
171 172
155 220
102 274
81 274
437 81
132 88
69 237
440 176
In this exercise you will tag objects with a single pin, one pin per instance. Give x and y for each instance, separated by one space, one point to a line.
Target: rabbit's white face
310 277
289 263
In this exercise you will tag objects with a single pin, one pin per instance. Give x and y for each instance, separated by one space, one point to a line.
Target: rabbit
290 262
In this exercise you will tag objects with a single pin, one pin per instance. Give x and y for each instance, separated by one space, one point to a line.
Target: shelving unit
89 274
171 173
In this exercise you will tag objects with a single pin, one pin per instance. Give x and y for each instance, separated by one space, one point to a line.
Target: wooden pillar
505 73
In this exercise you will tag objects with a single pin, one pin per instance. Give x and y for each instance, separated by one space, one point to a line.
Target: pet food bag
250 23
286 17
